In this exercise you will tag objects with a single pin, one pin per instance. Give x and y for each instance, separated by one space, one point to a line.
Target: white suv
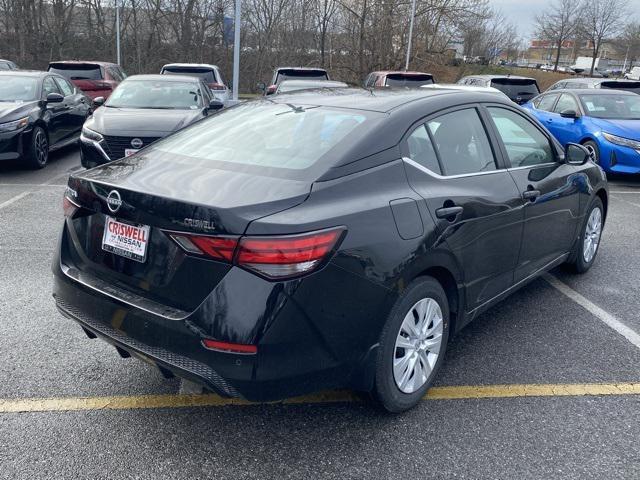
210 74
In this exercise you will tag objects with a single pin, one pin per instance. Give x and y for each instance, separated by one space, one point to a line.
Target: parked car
289 86
398 79
7 65
141 110
39 112
293 73
210 74
518 89
96 79
606 122
573 83
633 74
323 240
464 88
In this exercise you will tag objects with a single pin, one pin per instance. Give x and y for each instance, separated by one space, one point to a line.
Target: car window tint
546 102
64 86
421 149
566 102
462 143
525 144
49 86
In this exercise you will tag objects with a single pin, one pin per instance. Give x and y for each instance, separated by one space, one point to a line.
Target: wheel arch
602 194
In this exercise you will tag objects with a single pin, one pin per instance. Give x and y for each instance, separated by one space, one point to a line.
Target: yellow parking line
182 401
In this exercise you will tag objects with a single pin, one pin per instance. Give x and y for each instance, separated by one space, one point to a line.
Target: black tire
386 391
577 261
593 150
37 154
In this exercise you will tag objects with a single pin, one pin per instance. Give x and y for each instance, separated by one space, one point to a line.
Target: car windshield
409 81
205 74
516 87
74 71
302 74
18 89
633 87
268 136
156 94
615 107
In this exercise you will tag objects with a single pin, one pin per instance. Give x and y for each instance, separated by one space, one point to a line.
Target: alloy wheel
418 345
592 234
41 147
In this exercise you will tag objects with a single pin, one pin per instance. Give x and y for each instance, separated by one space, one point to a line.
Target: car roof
320 69
25 73
81 62
322 83
494 77
163 78
590 91
383 101
392 72
190 65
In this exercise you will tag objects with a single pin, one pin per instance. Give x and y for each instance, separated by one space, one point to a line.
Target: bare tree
558 24
600 21
629 42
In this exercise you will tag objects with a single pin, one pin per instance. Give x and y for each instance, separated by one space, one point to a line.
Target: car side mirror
55 98
576 154
569 114
98 102
215 104
261 86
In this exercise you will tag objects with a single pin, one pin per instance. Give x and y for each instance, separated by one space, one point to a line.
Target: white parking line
627 201
610 320
623 192
48 183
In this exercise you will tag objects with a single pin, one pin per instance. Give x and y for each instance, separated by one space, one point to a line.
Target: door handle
449 212
531 194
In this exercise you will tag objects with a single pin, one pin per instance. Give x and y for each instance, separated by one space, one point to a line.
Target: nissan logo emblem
136 143
114 201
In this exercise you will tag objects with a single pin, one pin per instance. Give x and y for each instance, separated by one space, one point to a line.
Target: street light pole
236 51
118 31
413 15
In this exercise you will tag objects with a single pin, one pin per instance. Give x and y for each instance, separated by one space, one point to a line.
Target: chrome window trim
447 177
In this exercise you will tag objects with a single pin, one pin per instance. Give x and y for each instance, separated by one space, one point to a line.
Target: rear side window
408 81
421 149
462 143
77 71
525 144
566 102
558 86
546 102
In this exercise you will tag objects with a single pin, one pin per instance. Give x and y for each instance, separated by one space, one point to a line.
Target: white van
634 74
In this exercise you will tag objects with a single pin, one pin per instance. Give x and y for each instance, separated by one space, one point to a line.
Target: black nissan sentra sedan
39 112
142 109
323 240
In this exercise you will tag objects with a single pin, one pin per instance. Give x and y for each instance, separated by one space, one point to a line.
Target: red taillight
219 248
271 89
68 207
273 257
217 86
229 347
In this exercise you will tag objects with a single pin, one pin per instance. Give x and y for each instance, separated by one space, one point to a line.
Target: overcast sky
523 12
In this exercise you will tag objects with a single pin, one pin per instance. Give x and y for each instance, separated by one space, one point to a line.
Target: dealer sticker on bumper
126 240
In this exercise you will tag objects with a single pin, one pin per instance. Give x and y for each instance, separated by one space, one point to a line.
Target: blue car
607 122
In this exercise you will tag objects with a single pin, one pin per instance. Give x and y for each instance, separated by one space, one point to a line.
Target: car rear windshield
515 87
306 74
75 71
267 138
614 107
18 89
627 86
409 81
206 74
156 94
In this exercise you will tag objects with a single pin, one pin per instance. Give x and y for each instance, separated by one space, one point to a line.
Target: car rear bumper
302 346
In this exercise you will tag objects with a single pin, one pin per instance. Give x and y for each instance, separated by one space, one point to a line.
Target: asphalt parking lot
551 382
